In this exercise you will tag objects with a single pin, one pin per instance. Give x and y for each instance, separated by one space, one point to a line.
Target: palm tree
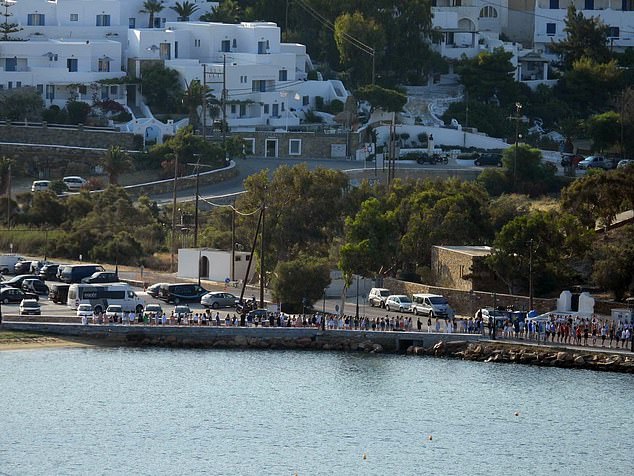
193 97
114 162
229 11
152 7
184 10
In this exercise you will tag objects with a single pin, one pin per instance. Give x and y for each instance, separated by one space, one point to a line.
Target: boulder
377 349
563 357
579 360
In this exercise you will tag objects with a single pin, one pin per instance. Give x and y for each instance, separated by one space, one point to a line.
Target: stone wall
313 145
76 136
466 303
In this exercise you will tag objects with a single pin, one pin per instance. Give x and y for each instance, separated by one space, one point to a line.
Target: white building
266 80
214 265
618 15
81 42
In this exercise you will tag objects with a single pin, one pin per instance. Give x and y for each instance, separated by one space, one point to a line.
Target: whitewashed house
214 265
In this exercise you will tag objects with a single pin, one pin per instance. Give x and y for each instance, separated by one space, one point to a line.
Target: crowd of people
570 331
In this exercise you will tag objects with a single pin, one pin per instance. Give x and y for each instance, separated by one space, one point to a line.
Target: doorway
270 148
204 267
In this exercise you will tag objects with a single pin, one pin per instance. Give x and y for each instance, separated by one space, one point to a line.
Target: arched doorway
204 267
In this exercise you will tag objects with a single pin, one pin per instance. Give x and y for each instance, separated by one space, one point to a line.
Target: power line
220 205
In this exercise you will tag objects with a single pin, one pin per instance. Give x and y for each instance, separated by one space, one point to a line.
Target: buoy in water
365 456
429 438
517 413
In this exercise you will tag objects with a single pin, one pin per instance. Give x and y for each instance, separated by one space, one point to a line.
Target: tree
77 111
228 11
488 75
184 10
300 281
613 262
358 39
20 104
526 171
114 162
7 28
585 38
161 87
551 239
152 7
194 96
604 129
389 100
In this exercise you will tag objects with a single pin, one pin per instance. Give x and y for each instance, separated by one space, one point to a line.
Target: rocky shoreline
506 352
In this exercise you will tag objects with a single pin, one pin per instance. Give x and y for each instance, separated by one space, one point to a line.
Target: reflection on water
160 411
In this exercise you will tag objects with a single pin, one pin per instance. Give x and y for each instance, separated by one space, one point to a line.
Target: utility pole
204 108
224 104
9 197
173 247
233 241
373 64
518 109
262 271
196 203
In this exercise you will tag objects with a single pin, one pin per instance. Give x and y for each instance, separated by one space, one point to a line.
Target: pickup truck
596 162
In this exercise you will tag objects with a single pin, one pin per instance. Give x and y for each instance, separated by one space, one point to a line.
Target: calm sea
126 411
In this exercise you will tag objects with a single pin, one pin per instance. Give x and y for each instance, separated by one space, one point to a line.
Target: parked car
74 273
84 310
153 309
624 163
114 312
16 281
217 299
432 305
40 186
22 267
153 290
570 160
8 262
29 307
488 159
426 158
74 183
378 296
36 266
15 295
596 162
182 311
181 292
398 302
48 272
35 286
101 277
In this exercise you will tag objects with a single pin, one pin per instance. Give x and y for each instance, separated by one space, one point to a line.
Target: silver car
216 299
398 302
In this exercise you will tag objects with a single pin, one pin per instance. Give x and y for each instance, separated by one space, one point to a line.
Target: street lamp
518 109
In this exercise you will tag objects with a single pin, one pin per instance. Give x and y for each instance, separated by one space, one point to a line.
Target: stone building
463 268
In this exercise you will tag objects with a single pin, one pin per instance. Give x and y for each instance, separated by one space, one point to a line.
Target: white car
74 182
624 163
114 312
30 307
398 302
40 185
84 310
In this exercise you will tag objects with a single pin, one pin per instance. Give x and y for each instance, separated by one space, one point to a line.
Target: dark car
14 295
488 159
101 277
425 158
16 281
180 292
48 272
34 286
59 293
22 267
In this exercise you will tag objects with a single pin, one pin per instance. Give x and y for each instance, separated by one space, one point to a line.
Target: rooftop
469 250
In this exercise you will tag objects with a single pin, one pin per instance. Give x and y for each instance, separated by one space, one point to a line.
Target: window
176 49
197 43
74 17
627 5
103 20
295 147
276 110
234 44
551 29
11 64
225 46
35 19
258 85
114 90
18 84
488 12
50 91
233 109
103 66
305 100
554 4
243 110
614 32
157 22
131 23
261 47
589 5
40 88
71 64
283 76
249 145
266 109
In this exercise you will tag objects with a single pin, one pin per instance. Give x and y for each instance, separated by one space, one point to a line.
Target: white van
7 263
432 305
40 186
